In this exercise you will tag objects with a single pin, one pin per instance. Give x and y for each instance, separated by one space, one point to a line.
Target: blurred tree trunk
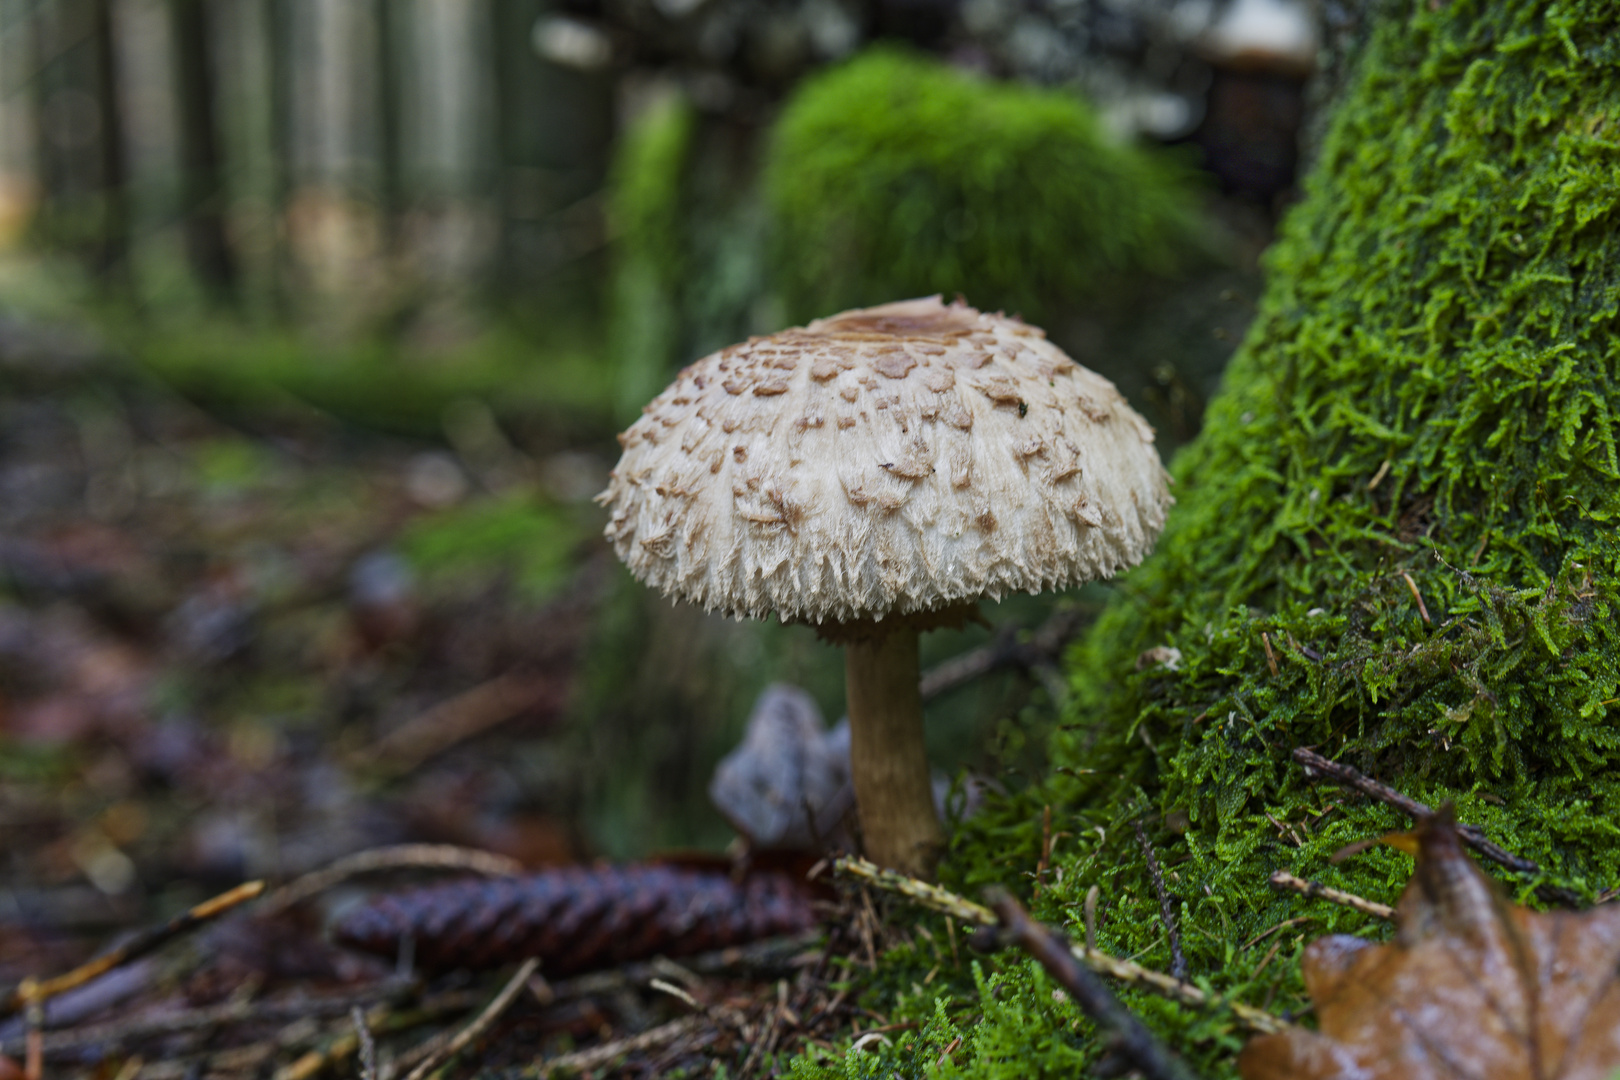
79 149
391 30
51 166
201 188
516 113
277 22
111 259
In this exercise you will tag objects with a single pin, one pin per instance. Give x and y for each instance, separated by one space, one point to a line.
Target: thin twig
482 1021
1472 835
116 1033
1282 879
1271 954
1167 914
344 1046
368 1045
665 987
1043 646
460 718
34 991
758 1049
1423 608
1126 1035
1046 848
773 955
583 1060
782 1012
1126 971
34 1055
1285 924
312 1064
929 896
397 857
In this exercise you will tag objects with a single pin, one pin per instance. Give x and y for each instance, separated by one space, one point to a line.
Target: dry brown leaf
1472 987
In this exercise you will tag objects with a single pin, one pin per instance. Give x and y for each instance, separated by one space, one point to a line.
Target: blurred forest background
318 318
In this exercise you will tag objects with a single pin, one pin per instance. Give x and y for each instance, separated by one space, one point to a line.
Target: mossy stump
895 175
1395 544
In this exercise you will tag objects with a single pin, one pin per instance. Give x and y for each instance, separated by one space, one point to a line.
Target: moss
1425 407
646 189
645 192
887 177
999 1035
554 383
526 540
895 175
687 273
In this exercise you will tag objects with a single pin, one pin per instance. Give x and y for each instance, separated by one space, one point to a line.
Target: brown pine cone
579 918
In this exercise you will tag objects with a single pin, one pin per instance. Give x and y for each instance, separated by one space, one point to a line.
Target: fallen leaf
1472 987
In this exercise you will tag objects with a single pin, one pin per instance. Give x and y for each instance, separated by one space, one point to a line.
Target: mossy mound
895 175
892 175
1395 544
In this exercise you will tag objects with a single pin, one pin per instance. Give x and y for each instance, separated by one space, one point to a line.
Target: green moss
894 176
646 187
1441 320
1429 393
647 191
528 541
688 272
558 384
1014 1025
890 176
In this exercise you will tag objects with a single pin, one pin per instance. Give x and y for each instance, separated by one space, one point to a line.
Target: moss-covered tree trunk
1396 536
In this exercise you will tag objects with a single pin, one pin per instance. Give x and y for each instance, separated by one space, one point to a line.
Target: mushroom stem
888 761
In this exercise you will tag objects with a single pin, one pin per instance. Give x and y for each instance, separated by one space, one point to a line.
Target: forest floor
232 653
308 609
272 647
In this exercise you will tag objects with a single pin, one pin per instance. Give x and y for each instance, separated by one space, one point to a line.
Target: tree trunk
389 16
202 191
279 63
111 260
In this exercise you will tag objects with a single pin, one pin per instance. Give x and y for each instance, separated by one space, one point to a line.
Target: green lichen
1425 407
895 175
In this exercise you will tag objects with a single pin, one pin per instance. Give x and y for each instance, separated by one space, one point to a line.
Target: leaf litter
1472 986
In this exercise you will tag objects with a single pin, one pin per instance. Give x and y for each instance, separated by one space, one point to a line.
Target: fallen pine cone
579 918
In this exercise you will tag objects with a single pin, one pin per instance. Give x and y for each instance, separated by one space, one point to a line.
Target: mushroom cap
896 459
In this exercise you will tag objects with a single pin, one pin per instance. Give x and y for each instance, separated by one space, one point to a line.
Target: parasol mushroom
875 474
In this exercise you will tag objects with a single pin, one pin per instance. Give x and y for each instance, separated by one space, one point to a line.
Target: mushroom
876 474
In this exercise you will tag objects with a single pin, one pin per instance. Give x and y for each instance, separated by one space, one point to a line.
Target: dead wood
35 992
